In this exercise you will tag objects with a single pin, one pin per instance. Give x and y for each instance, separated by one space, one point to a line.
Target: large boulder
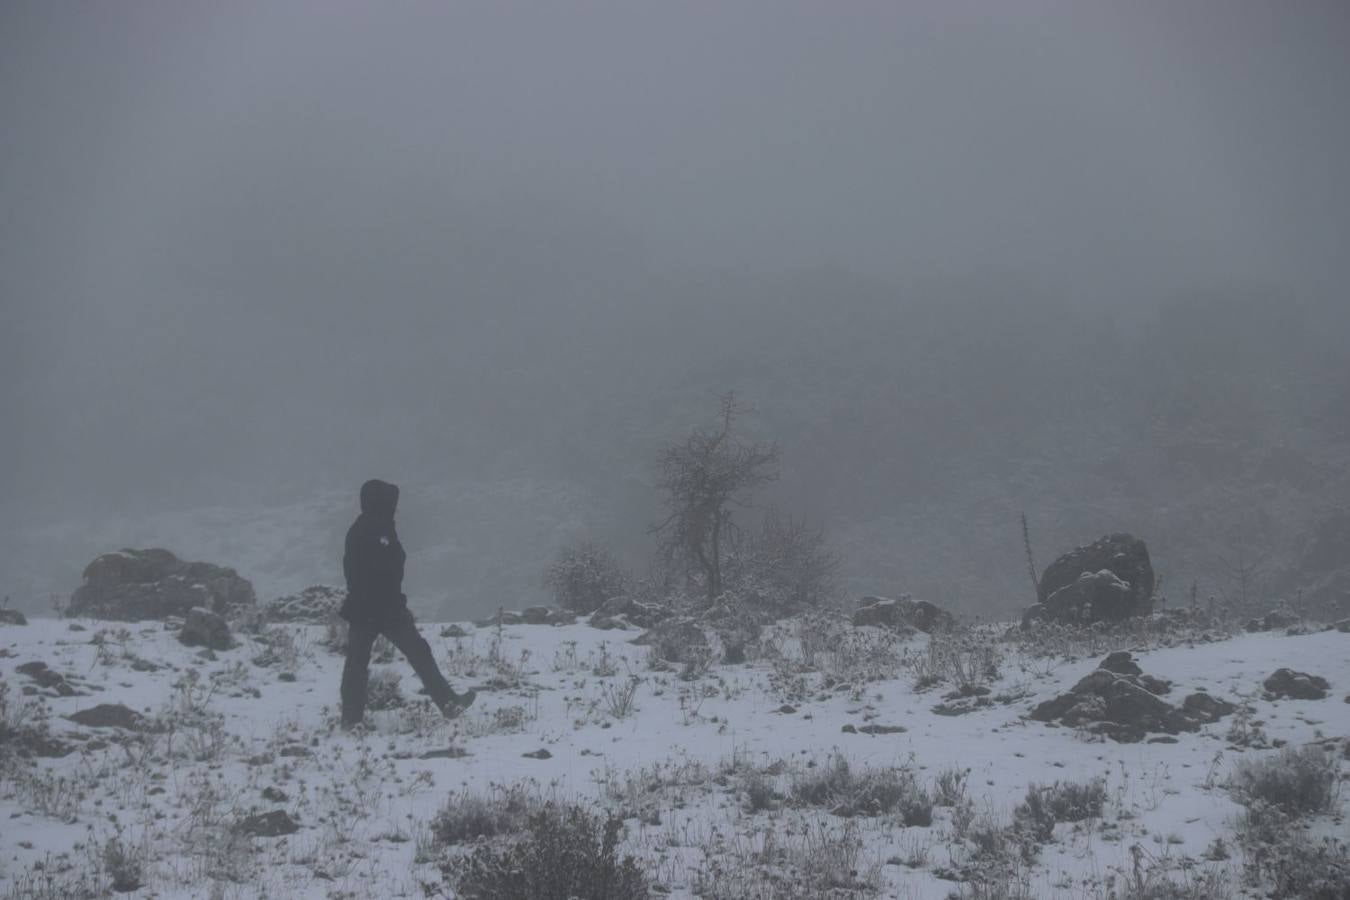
131 585
902 614
1295 685
1126 707
623 611
1106 581
203 628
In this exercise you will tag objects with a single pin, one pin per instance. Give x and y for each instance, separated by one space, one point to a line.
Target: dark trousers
402 633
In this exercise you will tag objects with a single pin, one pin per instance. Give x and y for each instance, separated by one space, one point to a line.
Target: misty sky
194 195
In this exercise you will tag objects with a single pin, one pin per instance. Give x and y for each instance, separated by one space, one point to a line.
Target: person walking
372 562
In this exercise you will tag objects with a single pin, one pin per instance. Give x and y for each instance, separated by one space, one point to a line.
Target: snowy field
719 772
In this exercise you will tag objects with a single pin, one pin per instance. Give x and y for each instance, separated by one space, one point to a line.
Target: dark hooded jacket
373 559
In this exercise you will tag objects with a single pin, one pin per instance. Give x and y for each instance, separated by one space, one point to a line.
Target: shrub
583 576
950 787
783 569
1069 801
873 792
1296 782
1295 866
470 816
566 854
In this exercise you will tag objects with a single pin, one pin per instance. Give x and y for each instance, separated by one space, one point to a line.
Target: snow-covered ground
676 752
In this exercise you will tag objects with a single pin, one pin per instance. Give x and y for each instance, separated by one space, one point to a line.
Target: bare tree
704 477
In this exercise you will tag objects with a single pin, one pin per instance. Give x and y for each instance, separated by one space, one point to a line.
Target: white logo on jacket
384 540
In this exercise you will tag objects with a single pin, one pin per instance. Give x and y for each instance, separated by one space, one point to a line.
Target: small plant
565 854
949 788
124 864
619 699
383 691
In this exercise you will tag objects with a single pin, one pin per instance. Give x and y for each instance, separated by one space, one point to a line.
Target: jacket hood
379 498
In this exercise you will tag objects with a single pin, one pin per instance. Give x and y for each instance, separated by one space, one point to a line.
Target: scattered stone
453 753
903 615
1295 685
109 715
453 631
144 665
203 628
12 617
47 678
882 729
849 729
288 677
76 626
315 605
275 795
1162 739
207 654
541 753
503 617
1107 581
132 585
269 824
786 709
294 750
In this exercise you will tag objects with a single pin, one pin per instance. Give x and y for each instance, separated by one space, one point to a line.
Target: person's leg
403 634
356 673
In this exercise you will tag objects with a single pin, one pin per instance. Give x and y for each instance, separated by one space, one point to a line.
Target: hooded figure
376 605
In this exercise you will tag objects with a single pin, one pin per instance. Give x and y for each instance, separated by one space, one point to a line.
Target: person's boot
457 703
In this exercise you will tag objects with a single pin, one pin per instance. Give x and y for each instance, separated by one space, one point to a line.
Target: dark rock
1107 581
1296 685
275 795
270 824
447 753
315 605
786 709
453 631
882 729
12 617
546 615
849 729
1158 686
288 677
677 641
204 628
902 614
1122 663
109 715
294 751
131 585
541 753
1206 708
621 612
1122 707
1343 626
503 617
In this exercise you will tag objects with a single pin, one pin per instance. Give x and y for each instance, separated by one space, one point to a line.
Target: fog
962 260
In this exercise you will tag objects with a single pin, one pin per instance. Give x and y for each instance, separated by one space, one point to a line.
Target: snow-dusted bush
783 569
583 576
470 815
567 853
1296 782
383 691
840 788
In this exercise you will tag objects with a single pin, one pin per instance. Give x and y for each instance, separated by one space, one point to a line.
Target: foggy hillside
961 262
